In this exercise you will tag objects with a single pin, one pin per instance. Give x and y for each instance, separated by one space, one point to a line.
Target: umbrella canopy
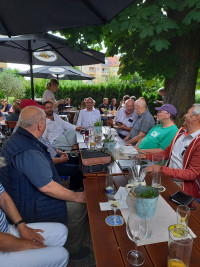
45 49
59 72
33 16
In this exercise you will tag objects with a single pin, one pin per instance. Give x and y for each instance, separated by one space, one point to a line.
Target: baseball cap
29 102
169 108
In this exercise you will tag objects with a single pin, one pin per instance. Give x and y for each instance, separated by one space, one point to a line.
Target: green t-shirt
158 137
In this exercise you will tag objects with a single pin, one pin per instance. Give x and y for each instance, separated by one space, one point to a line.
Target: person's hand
128 144
122 126
61 101
149 168
30 233
64 157
79 128
30 244
80 197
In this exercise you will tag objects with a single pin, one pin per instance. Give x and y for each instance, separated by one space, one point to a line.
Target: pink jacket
190 174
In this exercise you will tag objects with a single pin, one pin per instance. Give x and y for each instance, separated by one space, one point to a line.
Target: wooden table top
111 244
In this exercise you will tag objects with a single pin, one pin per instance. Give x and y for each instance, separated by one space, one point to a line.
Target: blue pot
110 146
146 207
98 130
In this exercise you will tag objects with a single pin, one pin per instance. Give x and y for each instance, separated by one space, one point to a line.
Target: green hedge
77 91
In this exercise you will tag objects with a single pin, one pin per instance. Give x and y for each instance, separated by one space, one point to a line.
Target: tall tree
154 37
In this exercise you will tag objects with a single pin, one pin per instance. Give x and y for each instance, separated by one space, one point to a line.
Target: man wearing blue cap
161 135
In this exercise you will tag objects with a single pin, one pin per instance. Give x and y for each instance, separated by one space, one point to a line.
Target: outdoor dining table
111 244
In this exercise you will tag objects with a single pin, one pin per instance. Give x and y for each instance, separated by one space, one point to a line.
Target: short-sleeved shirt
144 123
128 120
39 175
8 107
3 222
102 106
158 137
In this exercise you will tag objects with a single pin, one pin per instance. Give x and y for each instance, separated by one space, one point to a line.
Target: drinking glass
136 229
182 215
115 203
157 173
179 248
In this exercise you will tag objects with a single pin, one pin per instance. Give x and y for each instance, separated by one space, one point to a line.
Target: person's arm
61 159
136 138
124 127
127 137
10 243
55 103
8 206
56 190
151 150
136 146
4 107
65 124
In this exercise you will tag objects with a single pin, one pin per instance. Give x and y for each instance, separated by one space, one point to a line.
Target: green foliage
145 35
11 85
98 123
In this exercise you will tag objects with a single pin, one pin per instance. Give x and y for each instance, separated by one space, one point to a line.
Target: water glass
182 215
179 248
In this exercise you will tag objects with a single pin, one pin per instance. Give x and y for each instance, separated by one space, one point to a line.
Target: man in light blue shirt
125 119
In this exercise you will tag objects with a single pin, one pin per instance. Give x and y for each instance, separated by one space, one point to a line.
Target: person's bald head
140 105
33 119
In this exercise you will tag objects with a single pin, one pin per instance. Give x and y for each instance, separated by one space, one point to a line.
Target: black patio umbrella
33 16
45 49
58 72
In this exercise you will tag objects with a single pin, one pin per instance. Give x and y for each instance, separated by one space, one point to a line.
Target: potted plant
109 143
146 201
106 111
98 127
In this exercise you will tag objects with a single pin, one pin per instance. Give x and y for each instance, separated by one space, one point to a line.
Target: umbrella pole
31 68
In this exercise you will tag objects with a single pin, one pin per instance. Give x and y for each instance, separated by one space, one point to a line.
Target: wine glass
115 203
136 229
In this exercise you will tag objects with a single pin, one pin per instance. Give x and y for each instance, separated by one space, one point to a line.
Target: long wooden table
111 244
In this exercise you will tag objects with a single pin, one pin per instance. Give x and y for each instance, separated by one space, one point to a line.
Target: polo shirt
128 120
144 123
88 118
3 222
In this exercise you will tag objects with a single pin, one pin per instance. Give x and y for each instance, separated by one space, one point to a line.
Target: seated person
59 133
123 101
113 105
102 108
143 123
5 107
183 155
125 119
32 181
21 244
161 135
104 105
15 115
66 166
89 115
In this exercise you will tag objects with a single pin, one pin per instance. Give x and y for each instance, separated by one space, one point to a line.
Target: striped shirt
3 221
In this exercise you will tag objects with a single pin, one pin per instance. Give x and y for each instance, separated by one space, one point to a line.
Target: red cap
29 102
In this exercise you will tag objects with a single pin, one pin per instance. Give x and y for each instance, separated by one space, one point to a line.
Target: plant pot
110 146
98 130
146 207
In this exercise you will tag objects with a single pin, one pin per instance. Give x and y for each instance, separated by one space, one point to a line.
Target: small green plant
106 110
98 123
149 193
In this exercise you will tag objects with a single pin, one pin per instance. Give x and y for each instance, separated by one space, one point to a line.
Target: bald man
32 181
142 125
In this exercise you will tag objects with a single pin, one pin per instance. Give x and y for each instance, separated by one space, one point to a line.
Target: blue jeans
71 168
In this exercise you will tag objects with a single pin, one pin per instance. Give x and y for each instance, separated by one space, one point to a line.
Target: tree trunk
180 90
